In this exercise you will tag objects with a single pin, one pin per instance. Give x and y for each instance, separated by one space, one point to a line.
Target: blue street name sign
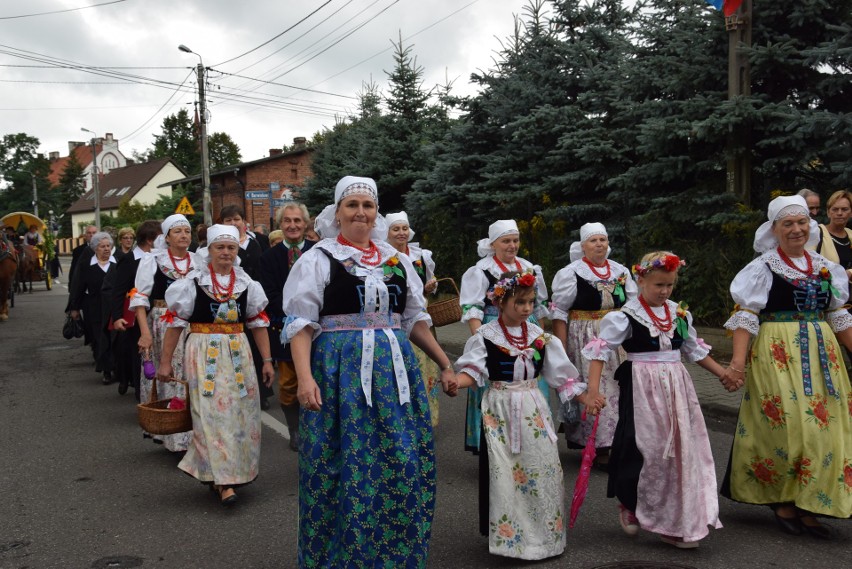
258 195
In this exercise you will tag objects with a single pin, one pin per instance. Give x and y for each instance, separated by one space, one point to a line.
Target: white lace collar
205 280
342 252
494 334
582 270
635 309
489 264
778 266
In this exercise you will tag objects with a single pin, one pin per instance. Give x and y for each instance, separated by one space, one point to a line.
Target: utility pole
206 201
95 184
738 26
35 195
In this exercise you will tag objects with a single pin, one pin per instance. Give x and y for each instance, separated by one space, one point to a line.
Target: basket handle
451 281
154 395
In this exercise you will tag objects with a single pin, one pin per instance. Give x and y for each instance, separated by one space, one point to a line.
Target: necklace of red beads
370 256
602 276
219 292
505 269
519 342
174 260
662 324
807 271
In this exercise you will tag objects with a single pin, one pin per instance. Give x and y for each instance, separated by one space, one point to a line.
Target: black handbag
72 328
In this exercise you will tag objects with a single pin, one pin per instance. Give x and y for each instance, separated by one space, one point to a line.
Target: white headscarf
586 231
496 230
401 217
174 220
325 224
216 233
780 207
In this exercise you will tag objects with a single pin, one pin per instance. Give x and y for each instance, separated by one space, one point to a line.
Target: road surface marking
275 424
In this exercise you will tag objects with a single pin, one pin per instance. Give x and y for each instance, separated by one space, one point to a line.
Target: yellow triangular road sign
184 207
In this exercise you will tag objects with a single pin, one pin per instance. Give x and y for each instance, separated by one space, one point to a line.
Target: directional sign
258 195
274 186
279 202
257 203
184 207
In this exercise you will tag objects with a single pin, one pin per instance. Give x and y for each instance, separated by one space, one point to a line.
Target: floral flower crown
668 263
501 287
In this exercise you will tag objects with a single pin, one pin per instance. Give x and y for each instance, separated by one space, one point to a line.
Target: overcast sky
52 103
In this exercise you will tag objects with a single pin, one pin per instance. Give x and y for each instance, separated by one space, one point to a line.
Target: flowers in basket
176 403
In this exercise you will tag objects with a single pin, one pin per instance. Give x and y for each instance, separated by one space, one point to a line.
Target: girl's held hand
308 394
594 402
733 378
449 383
268 374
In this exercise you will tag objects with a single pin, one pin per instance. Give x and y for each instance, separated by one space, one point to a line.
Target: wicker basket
446 311
156 418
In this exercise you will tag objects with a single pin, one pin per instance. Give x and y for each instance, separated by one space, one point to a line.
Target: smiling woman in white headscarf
170 260
366 455
215 305
792 449
499 252
584 291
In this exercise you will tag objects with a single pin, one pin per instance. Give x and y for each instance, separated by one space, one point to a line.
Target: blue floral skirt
366 474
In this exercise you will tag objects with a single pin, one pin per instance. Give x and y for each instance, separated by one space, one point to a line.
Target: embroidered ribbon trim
587 314
803 317
215 328
338 322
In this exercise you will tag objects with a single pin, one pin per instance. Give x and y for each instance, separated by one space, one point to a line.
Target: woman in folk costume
400 235
354 305
661 465
524 514
215 304
584 292
792 450
169 261
499 252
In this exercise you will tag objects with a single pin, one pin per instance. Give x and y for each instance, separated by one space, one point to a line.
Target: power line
61 11
277 36
175 92
285 85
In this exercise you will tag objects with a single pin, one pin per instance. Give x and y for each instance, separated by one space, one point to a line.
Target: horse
27 267
8 268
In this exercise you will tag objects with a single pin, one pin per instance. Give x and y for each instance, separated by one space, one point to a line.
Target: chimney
72 144
275 151
53 156
300 142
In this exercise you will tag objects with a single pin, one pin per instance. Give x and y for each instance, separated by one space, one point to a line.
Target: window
111 192
123 191
90 196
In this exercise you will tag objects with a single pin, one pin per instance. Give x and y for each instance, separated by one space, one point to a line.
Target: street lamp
95 179
206 200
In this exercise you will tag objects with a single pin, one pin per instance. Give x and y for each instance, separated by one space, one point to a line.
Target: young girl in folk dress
661 467
524 516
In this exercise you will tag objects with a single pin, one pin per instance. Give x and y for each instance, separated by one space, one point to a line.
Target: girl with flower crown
661 466
524 516
585 291
793 446
170 261
499 252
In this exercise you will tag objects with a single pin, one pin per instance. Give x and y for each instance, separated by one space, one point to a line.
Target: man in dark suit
274 269
259 235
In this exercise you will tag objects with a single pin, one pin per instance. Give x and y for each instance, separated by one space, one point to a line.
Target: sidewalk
715 401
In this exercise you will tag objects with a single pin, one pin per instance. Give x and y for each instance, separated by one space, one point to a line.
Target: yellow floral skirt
791 445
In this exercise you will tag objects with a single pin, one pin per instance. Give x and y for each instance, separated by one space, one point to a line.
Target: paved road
79 487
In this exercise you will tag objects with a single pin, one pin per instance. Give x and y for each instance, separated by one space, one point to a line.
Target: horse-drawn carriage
34 251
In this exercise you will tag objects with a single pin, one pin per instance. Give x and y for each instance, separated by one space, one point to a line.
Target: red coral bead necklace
505 269
592 267
222 293
662 324
519 342
807 271
175 260
370 256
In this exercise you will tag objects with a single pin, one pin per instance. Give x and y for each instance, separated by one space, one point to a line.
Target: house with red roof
106 150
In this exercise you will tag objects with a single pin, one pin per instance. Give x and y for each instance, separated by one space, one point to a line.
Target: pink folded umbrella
582 485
